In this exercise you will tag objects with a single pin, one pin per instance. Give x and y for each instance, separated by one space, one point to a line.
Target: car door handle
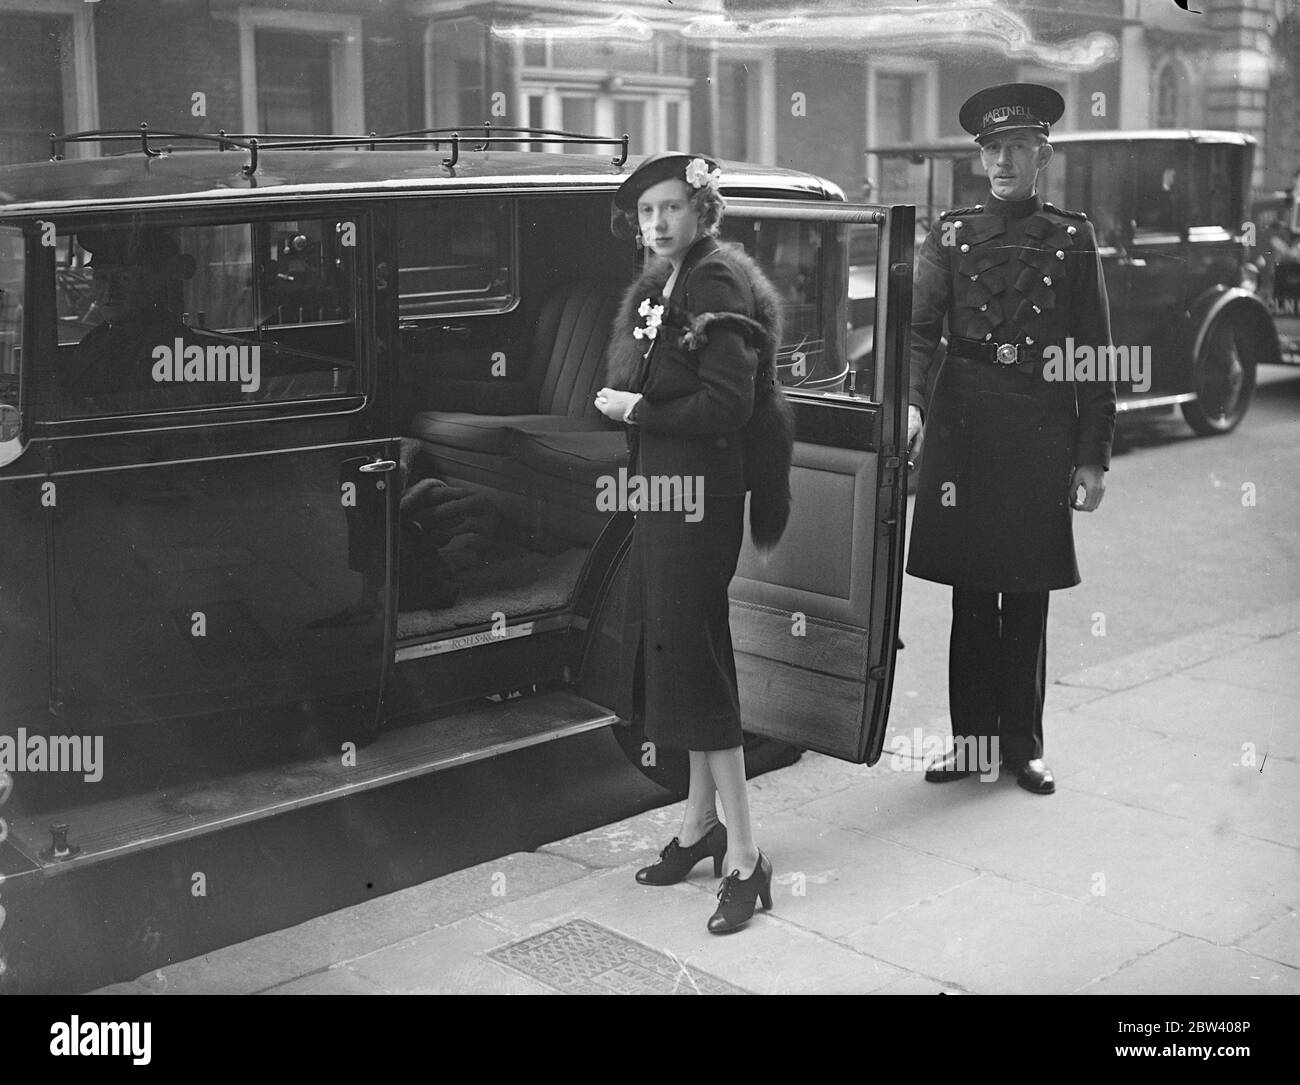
1131 261
378 465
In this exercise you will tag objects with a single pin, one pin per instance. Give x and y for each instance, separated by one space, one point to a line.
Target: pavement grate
583 958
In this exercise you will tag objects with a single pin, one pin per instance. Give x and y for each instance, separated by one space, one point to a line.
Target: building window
457 73
47 76
606 89
1171 95
300 71
902 103
894 97
293 83
745 128
733 109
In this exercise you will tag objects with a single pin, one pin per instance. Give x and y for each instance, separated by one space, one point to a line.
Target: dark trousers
997 669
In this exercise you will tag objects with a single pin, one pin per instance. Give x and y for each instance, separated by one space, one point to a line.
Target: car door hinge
877 673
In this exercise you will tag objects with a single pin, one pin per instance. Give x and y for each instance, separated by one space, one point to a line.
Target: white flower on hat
698 174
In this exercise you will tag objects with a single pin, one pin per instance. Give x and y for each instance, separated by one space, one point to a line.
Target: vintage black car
299 435
1170 213
1276 221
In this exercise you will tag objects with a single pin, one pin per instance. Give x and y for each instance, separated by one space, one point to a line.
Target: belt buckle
1007 353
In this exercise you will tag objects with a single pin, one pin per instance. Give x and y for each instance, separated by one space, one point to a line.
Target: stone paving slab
1132 670
1177 874
1268 664
1278 940
450 960
273 959
992 935
1201 782
836 881
1193 967
339 980
773 954
1185 707
1273 622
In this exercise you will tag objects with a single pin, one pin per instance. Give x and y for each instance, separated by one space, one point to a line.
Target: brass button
1037 309
957 224
1060 254
1047 280
988 335
1070 230
1028 342
965 248
984 306
973 278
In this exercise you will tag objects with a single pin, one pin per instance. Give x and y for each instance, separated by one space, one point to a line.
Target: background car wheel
671 769
1223 379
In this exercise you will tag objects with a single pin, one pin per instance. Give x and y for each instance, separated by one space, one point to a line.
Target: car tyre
1223 379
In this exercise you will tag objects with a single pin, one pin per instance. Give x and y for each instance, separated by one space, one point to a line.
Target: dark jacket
697 400
993 508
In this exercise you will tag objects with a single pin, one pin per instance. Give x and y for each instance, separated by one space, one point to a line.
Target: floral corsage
654 317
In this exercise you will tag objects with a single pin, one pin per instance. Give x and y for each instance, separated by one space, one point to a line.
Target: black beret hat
1011 105
666 166
658 167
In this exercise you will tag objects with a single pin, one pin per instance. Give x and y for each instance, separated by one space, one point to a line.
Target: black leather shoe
1035 776
675 861
945 771
737 897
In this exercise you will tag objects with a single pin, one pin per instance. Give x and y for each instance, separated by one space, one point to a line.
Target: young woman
694 339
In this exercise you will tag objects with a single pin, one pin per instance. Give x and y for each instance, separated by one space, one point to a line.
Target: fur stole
769 434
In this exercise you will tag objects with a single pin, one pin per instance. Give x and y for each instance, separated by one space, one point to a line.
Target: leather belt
996 353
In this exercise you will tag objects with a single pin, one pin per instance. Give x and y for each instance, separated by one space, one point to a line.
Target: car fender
1243 306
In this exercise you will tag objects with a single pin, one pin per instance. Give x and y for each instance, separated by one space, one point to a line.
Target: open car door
814 622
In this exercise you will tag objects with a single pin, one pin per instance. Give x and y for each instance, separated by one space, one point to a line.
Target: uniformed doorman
1011 449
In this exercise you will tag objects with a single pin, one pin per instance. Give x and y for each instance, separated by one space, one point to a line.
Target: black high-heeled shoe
737 897
675 861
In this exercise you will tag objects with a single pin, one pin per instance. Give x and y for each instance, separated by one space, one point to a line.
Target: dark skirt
677 670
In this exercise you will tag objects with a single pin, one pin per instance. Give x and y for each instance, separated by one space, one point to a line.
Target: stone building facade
814 86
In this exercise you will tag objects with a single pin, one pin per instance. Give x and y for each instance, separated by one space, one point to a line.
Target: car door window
810 356
1098 181
455 257
12 263
1161 180
1216 196
175 316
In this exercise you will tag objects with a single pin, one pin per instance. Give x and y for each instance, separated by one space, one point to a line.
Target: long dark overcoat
677 668
993 509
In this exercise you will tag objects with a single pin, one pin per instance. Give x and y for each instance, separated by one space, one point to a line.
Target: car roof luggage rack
227 141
